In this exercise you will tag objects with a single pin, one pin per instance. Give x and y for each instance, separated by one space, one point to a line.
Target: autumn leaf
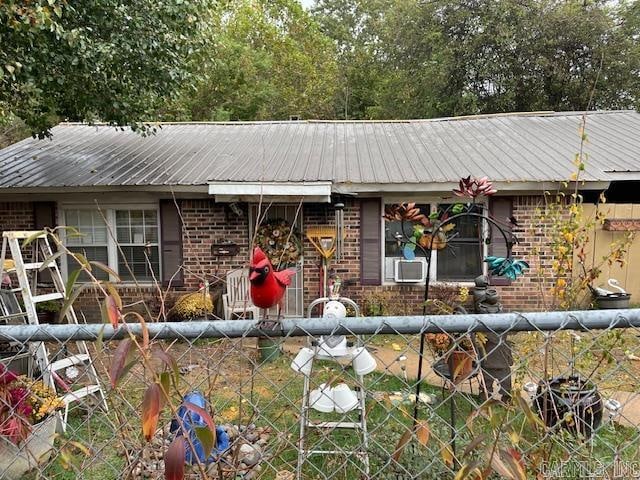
121 362
174 459
110 311
150 411
402 443
447 455
423 432
169 361
211 440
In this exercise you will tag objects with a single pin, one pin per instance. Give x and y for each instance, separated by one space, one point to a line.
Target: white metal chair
237 300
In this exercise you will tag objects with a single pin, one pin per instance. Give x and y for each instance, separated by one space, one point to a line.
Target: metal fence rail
300 327
515 395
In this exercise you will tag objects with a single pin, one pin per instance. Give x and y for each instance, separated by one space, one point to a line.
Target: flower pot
570 402
47 317
16 460
613 300
269 349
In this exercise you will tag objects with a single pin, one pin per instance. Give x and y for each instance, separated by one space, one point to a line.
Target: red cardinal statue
267 285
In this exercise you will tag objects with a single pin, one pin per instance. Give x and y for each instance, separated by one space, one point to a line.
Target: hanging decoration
280 243
507 267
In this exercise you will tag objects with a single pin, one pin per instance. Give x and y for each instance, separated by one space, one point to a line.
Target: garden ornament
334 344
191 421
267 286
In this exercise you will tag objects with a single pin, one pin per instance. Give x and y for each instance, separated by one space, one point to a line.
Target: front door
292 215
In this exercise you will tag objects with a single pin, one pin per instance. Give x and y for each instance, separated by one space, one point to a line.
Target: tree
107 60
271 62
356 28
442 57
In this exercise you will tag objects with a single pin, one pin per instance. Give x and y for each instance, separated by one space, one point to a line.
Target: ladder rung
68 362
334 425
48 296
6 318
24 234
34 266
80 393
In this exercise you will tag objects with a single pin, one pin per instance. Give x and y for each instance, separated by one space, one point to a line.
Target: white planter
16 460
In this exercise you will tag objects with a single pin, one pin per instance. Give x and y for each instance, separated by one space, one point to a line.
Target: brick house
219 174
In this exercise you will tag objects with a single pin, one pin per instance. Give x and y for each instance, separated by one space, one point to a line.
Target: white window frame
433 203
109 211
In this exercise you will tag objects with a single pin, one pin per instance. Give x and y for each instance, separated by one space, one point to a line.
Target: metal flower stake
433 233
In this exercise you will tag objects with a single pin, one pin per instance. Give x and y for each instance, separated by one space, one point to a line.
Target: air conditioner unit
410 271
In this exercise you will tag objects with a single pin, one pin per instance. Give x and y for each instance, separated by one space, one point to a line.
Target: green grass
276 400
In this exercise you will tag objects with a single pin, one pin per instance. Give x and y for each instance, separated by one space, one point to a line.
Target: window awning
317 192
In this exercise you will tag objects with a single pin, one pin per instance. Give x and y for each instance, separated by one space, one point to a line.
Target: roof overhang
293 192
447 187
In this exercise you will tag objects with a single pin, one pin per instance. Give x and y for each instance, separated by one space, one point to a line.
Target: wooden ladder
43 260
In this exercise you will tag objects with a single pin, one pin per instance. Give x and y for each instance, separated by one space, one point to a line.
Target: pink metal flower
474 187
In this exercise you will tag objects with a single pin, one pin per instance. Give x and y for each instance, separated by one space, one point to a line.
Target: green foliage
440 58
107 60
271 62
50 306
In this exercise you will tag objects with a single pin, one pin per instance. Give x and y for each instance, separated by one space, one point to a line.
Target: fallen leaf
423 432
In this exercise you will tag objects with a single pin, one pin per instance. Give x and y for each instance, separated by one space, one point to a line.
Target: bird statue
613 283
267 285
603 292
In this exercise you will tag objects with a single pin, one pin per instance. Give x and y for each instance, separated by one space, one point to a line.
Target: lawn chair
237 300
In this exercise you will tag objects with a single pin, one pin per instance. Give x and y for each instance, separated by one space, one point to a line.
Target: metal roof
535 147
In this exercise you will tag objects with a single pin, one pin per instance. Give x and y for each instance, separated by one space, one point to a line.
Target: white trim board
307 191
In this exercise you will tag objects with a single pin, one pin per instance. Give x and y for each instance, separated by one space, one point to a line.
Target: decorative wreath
280 243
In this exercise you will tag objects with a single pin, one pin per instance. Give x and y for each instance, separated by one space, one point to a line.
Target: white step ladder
40 261
359 428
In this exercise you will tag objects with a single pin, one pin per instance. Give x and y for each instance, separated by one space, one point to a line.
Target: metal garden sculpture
433 232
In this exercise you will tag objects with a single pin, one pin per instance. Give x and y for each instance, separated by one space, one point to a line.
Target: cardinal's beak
253 274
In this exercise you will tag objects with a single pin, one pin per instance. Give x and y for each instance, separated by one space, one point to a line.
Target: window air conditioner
410 271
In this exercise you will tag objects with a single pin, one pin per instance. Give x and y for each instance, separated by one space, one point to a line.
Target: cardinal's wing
284 276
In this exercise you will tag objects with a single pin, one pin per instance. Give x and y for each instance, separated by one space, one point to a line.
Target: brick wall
16 216
530 292
206 222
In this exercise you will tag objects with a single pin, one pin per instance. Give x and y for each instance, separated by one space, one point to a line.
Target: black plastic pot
571 403
613 300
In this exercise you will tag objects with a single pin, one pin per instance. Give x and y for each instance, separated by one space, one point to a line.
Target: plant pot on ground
28 420
48 311
572 403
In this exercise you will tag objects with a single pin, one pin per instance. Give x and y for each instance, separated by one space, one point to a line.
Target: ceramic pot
491 296
16 461
570 402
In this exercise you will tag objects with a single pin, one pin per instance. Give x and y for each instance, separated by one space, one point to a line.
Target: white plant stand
306 424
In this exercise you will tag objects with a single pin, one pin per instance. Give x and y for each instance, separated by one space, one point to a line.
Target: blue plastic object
409 252
191 420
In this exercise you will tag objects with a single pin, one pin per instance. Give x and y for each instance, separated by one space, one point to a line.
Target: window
137 247
137 233
91 240
461 260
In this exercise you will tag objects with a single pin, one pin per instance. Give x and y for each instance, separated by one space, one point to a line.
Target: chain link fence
535 395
